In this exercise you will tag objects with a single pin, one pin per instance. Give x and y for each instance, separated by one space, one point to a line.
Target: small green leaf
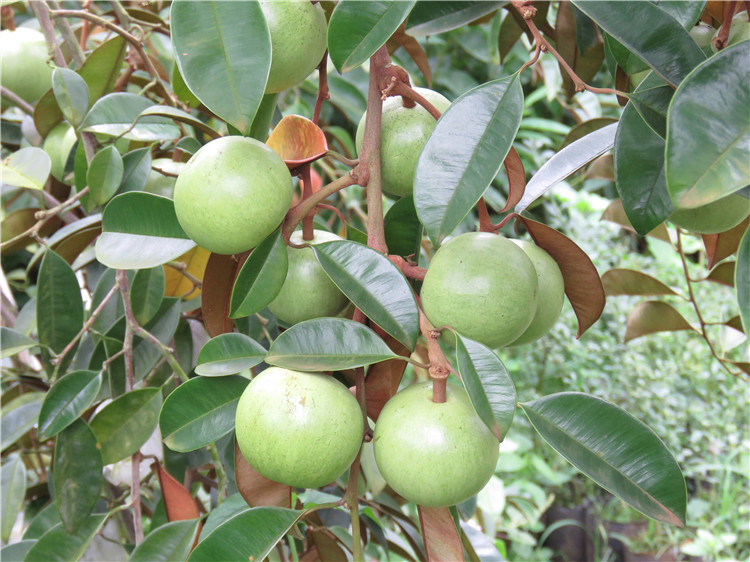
125 424
403 231
327 344
19 416
261 277
28 167
12 493
227 354
181 116
742 280
431 18
116 115
77 474
171 541
59 306
104 174
136 169
146 293
200 412
57 545
14 342
71 94
68 398
615 450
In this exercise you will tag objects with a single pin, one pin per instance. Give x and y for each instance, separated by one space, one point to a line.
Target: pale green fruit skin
435 455
702 33
23 59
483 286
404 132
307 291
232 194
739 30
58 144
551 294
298 40
718 216
300 429
159 183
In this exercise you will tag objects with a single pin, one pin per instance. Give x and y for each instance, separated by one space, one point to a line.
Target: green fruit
23 59
435 455
307 292
718 216
232 194
483 286
298 41
404 132
58 144
300 429
159 183
702 33
740 30
551 294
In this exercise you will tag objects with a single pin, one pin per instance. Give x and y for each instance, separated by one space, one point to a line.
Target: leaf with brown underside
722 274
256 489
383 379
721 246
630 282
736 323
516 179
413 49
218 281
616 213
298 141
178 502
651 317
441 539
583 286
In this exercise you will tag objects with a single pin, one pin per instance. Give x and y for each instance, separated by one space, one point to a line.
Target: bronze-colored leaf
723 274
629 282
415 51
516 179
742 366
178 502
565 25
383 379
602 168
298 141
256 489
616 213
441 539
721 246
736 323
18 222
583 286
651 317
218 281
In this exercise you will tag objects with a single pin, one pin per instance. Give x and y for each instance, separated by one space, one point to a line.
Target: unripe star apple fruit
23 59
57 144
300 429
307 292
717 216
483 286
702 33
435 455
551 294
232 194
161 184
298 41
404 132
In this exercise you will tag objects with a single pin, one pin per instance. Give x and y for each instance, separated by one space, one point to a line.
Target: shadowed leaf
629 282
171 541
616 213
723 274
721 246
383 379
441 539
742 281
218 281
651 317
256 489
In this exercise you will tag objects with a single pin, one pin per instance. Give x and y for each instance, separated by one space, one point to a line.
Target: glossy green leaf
375 286
140 230
357 29
639 171
431 18
16 552
116 115
77 474
123 425
708 130
464 154
59 307
649 32
12 493
488 384
232 541
200 412
261 277
28 167
630 282
742 280
570 159
327 344
686 12
104 174
347 97
651 99
615 450
652 317
68 398
136 169
227 354
42 522
14 342
71 94
403 231
146 293
181 116
19 416
171 541
162 326
57 545
223 51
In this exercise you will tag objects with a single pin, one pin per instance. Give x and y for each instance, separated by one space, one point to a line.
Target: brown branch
439 366
76 52
308 226
323 93
407 92
410 270
42 13
720 41
16 100
298 212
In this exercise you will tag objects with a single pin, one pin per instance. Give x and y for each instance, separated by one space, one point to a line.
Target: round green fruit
232 194
159 183
551 294
298 41
58 144
300 429
483 286
404 132
435 455
307 291
23 59
718 216
702 33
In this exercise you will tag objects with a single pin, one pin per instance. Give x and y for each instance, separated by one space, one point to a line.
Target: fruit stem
485 222
407 92
439 367
720 41
308 232
323 93
298 212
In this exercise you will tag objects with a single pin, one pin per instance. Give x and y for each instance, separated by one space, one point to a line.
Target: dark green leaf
375 286
42 522
28 167
136 169
125 424
261 277
71 94
227 354
68 398
12 493
115 115
171 541
356 29
615 450
162 326
708 130
431 18
77 474
742 280
686 12
14 342
181 116
59 307
488 384
223 51
18 416
104 174
200 412
403 231
146 293
464 154
347 98
327 344
58 545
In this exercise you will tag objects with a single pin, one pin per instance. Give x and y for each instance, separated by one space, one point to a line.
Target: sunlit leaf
171 541
227 354
116 115
28 167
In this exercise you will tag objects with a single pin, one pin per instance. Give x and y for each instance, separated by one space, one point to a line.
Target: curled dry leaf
178 502
298 141
516 179
220 273
256 489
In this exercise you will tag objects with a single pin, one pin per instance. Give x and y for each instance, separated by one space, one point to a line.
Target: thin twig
76 52
299 211
323 93
42 13
16 100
